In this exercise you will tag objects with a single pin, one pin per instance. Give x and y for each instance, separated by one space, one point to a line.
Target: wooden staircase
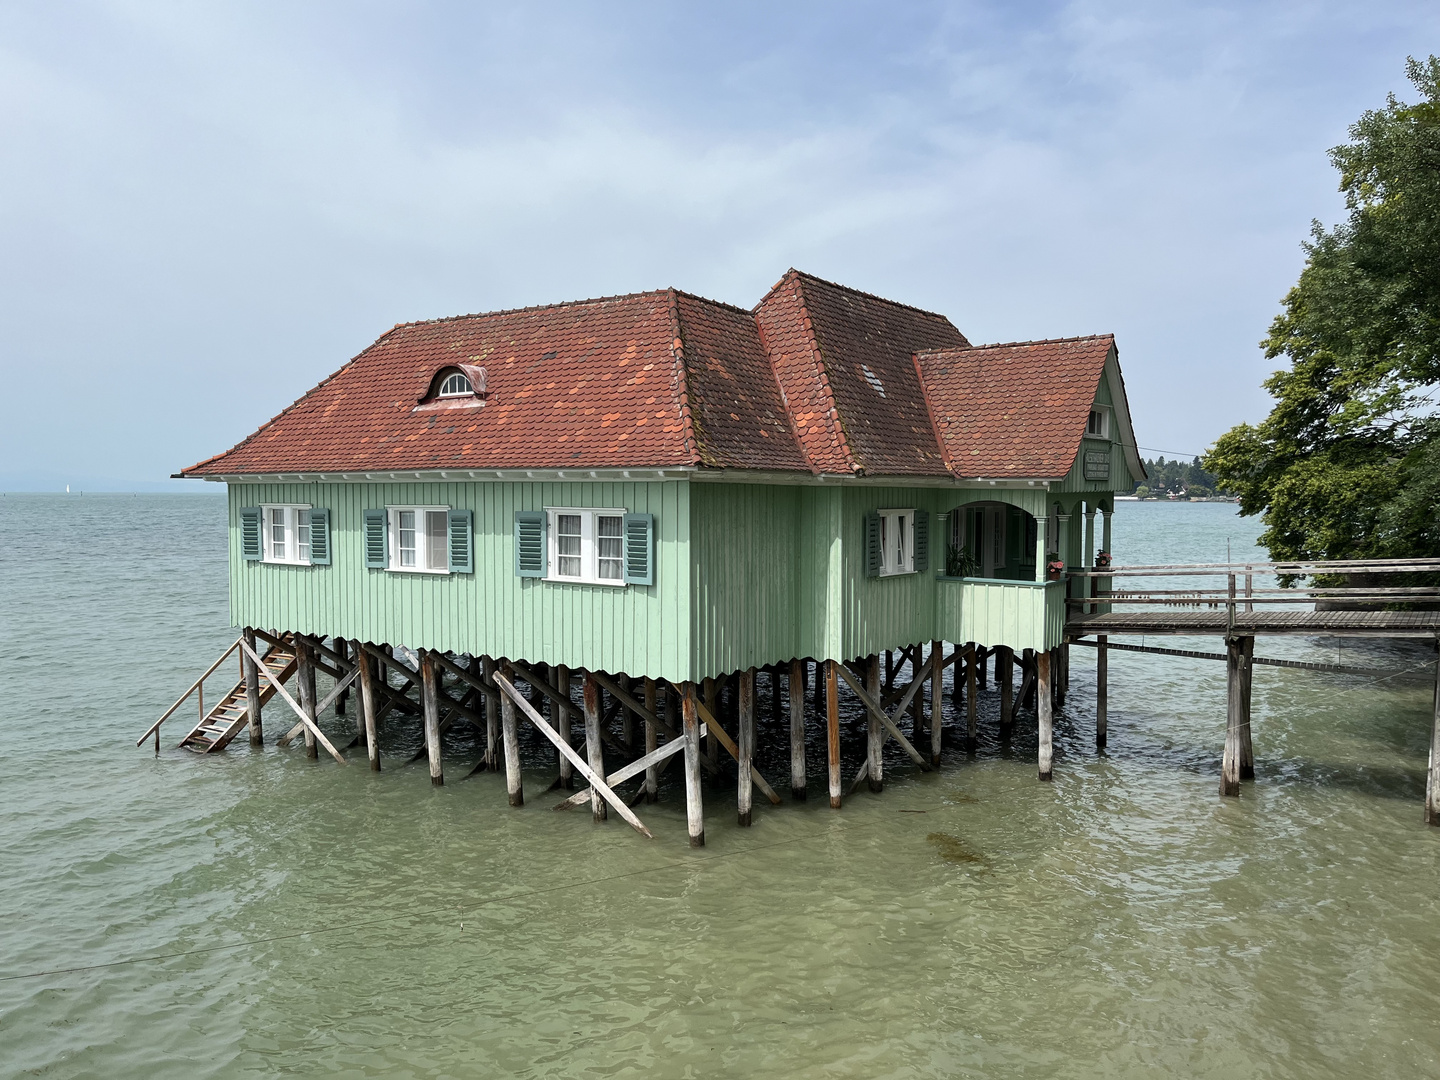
229 718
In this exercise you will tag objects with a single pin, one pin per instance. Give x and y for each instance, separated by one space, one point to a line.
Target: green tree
1345 464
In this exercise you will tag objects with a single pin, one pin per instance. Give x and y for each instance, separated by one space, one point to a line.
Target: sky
207 208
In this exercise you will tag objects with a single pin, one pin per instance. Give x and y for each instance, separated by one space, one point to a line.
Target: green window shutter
377 547
922 540
250 532
319 537
462 542
639 549
872 544
530 543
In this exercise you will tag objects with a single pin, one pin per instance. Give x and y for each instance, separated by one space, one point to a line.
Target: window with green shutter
462 542
530 543
922 540
872 544
250 533
639 549
377 554
319 536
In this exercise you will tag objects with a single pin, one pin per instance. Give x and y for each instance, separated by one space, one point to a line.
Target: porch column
1087 556
1042 523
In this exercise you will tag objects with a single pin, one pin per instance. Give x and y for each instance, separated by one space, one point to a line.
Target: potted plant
1053 569
1102 560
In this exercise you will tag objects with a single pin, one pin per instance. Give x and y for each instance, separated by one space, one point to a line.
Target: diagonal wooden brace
284 740
575 759
641 711
880 714
294 705
635 768
734 751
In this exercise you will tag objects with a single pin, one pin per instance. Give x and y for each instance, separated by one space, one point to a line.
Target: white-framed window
1098 425
897 542
285 533
420 539
456 384
586 546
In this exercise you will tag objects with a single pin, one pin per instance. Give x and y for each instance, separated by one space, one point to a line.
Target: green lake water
258 914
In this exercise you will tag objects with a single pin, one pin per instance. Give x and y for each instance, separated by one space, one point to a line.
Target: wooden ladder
229 718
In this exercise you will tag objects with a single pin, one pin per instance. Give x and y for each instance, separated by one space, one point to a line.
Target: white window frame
290 527
469 390
422 549
897 552
589 547
1103 412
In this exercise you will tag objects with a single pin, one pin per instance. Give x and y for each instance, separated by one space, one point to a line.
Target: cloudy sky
206 208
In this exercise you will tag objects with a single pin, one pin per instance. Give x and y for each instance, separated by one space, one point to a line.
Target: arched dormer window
456 384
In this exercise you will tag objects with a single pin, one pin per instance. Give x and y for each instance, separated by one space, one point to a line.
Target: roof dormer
455 386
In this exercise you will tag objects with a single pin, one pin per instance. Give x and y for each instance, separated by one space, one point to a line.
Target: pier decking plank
1342 623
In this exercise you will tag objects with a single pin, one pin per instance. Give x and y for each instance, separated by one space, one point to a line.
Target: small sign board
1096 465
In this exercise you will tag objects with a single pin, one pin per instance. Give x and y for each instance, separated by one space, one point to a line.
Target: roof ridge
711 300
529 307
822 372
1014 344
861 292
682 381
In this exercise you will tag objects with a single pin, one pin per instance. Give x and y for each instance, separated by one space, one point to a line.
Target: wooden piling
1061 664
874 732
797 730
651 787
972 719
492 717
1027 679
832 730
560 679
694 805
746 741
1230 763
342 648
937 683
1102 690
510 737
252 688
430 702
1005 676
917 703
1247 671
369 704
305 677
1043 661
594 751
982 656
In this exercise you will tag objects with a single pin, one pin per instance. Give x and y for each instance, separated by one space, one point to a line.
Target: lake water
258 914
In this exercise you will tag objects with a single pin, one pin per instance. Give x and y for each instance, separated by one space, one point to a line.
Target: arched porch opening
991 540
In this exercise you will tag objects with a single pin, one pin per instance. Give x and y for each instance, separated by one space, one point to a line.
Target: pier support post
1062 672
651 786
917 703
1044 716
1027 679
305 677
982 657
560 679
1102 690
369 704
342 648
797 730
252 689
832 730
594 751
745 789
430 703
1432 774
972 720
1247 672
874 733
1234 712
694 805
514 786
1005 676
937 686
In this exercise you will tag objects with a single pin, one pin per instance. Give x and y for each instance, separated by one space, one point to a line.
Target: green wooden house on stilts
600 520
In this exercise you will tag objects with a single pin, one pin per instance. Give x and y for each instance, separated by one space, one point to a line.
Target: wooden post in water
694 805
1046 722
1230 764
305 676
252 688
972 720
937 679
1102 689
917 703
342 648
1432 773
1005 676
1247 672
874 733
1027 667
797 730
651 787
430 702
832 730
1062 671
369 703
560 676
594 750
514 785
746 741
492 717
889 671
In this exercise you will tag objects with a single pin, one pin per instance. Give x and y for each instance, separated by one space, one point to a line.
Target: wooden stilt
1062 673
917 704
594 750
982 655
342 647
874 732
305 677
1230 763
972 719
889 672
651 786
832 730
957 691
560 674
252 689
369 704
1043 661
1027 679
1432 773
494 710
1102 690
510 737
1247 750
430 702
694 804
746 741
797 730
1005 676
937 683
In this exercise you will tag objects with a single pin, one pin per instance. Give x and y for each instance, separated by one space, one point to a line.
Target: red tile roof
817 378
1013 410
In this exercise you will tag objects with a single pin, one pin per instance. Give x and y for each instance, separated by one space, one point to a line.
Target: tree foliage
1345 465
1178 478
